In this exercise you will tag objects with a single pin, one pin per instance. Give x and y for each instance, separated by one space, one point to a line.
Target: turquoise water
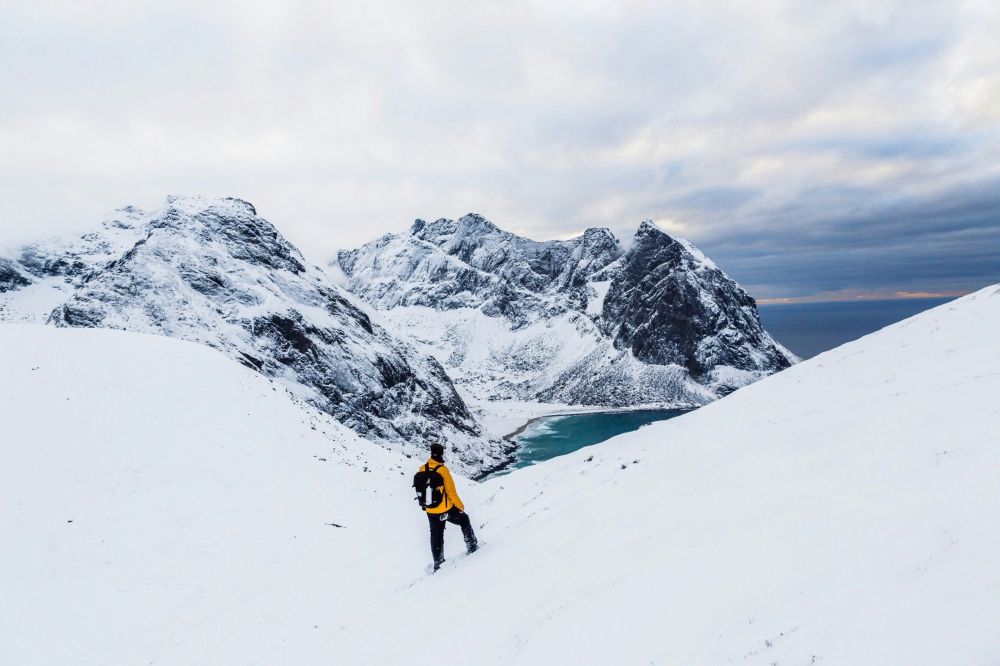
553 436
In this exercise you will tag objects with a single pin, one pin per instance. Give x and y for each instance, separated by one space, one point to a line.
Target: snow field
842 511
492 361
164 504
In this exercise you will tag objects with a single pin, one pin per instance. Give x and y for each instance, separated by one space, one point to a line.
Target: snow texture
579 321
166 505
214 272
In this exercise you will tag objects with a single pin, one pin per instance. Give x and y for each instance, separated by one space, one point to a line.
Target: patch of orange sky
848 295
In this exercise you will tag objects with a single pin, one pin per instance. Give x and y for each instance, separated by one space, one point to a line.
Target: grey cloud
767 131
715 198
948 242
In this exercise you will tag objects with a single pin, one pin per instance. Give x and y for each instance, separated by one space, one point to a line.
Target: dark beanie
437 450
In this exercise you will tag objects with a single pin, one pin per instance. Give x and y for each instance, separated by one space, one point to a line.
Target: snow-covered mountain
580 321
214 272
163 504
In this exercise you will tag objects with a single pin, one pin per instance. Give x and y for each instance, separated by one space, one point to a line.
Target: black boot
461 519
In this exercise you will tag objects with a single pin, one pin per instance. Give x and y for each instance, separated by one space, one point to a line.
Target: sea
808 329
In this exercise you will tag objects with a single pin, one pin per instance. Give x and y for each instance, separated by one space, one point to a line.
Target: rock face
11 276
669 304
578 321
213 271
470 262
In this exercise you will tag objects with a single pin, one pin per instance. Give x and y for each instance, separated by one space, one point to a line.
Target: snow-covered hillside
840 512
215 272
580 321
155 493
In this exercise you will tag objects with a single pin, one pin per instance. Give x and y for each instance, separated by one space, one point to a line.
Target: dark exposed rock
668 306
588 321
214 272
11 277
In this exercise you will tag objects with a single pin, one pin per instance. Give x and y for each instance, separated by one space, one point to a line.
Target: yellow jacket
451 498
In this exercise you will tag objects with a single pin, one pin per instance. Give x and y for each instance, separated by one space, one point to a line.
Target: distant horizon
809 328
865 297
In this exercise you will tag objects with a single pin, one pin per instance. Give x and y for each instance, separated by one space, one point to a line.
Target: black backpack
426 479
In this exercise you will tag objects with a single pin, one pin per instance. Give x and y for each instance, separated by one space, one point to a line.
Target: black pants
455 516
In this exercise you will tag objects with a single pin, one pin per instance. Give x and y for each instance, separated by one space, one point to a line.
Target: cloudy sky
812 148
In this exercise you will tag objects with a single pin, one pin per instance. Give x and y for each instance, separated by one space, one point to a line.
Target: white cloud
345 120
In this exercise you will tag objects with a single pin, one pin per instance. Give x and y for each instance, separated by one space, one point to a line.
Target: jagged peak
242 202
477 220
194 204
649 233
443 227
425 230
648 228
594 234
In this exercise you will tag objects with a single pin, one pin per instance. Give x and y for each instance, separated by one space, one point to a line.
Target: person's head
437 451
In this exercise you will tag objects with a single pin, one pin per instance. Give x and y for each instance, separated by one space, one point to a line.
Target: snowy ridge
842 512
214 272
578 321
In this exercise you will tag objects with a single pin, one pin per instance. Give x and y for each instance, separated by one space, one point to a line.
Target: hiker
443 506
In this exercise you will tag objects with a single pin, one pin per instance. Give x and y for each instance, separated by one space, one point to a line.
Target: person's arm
449 488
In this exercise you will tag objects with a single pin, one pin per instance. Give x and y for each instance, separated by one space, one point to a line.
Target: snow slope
840 512
161 500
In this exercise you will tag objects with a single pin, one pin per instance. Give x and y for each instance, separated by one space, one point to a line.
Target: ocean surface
808 329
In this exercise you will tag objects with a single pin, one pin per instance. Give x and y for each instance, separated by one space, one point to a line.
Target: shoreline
511 437
614 410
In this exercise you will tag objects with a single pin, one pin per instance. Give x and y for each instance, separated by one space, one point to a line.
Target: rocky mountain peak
656 323
599 234
598 247
213 271
234 223
192 204
475 221
647 228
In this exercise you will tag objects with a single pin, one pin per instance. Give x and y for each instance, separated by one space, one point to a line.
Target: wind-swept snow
840 512
162 500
